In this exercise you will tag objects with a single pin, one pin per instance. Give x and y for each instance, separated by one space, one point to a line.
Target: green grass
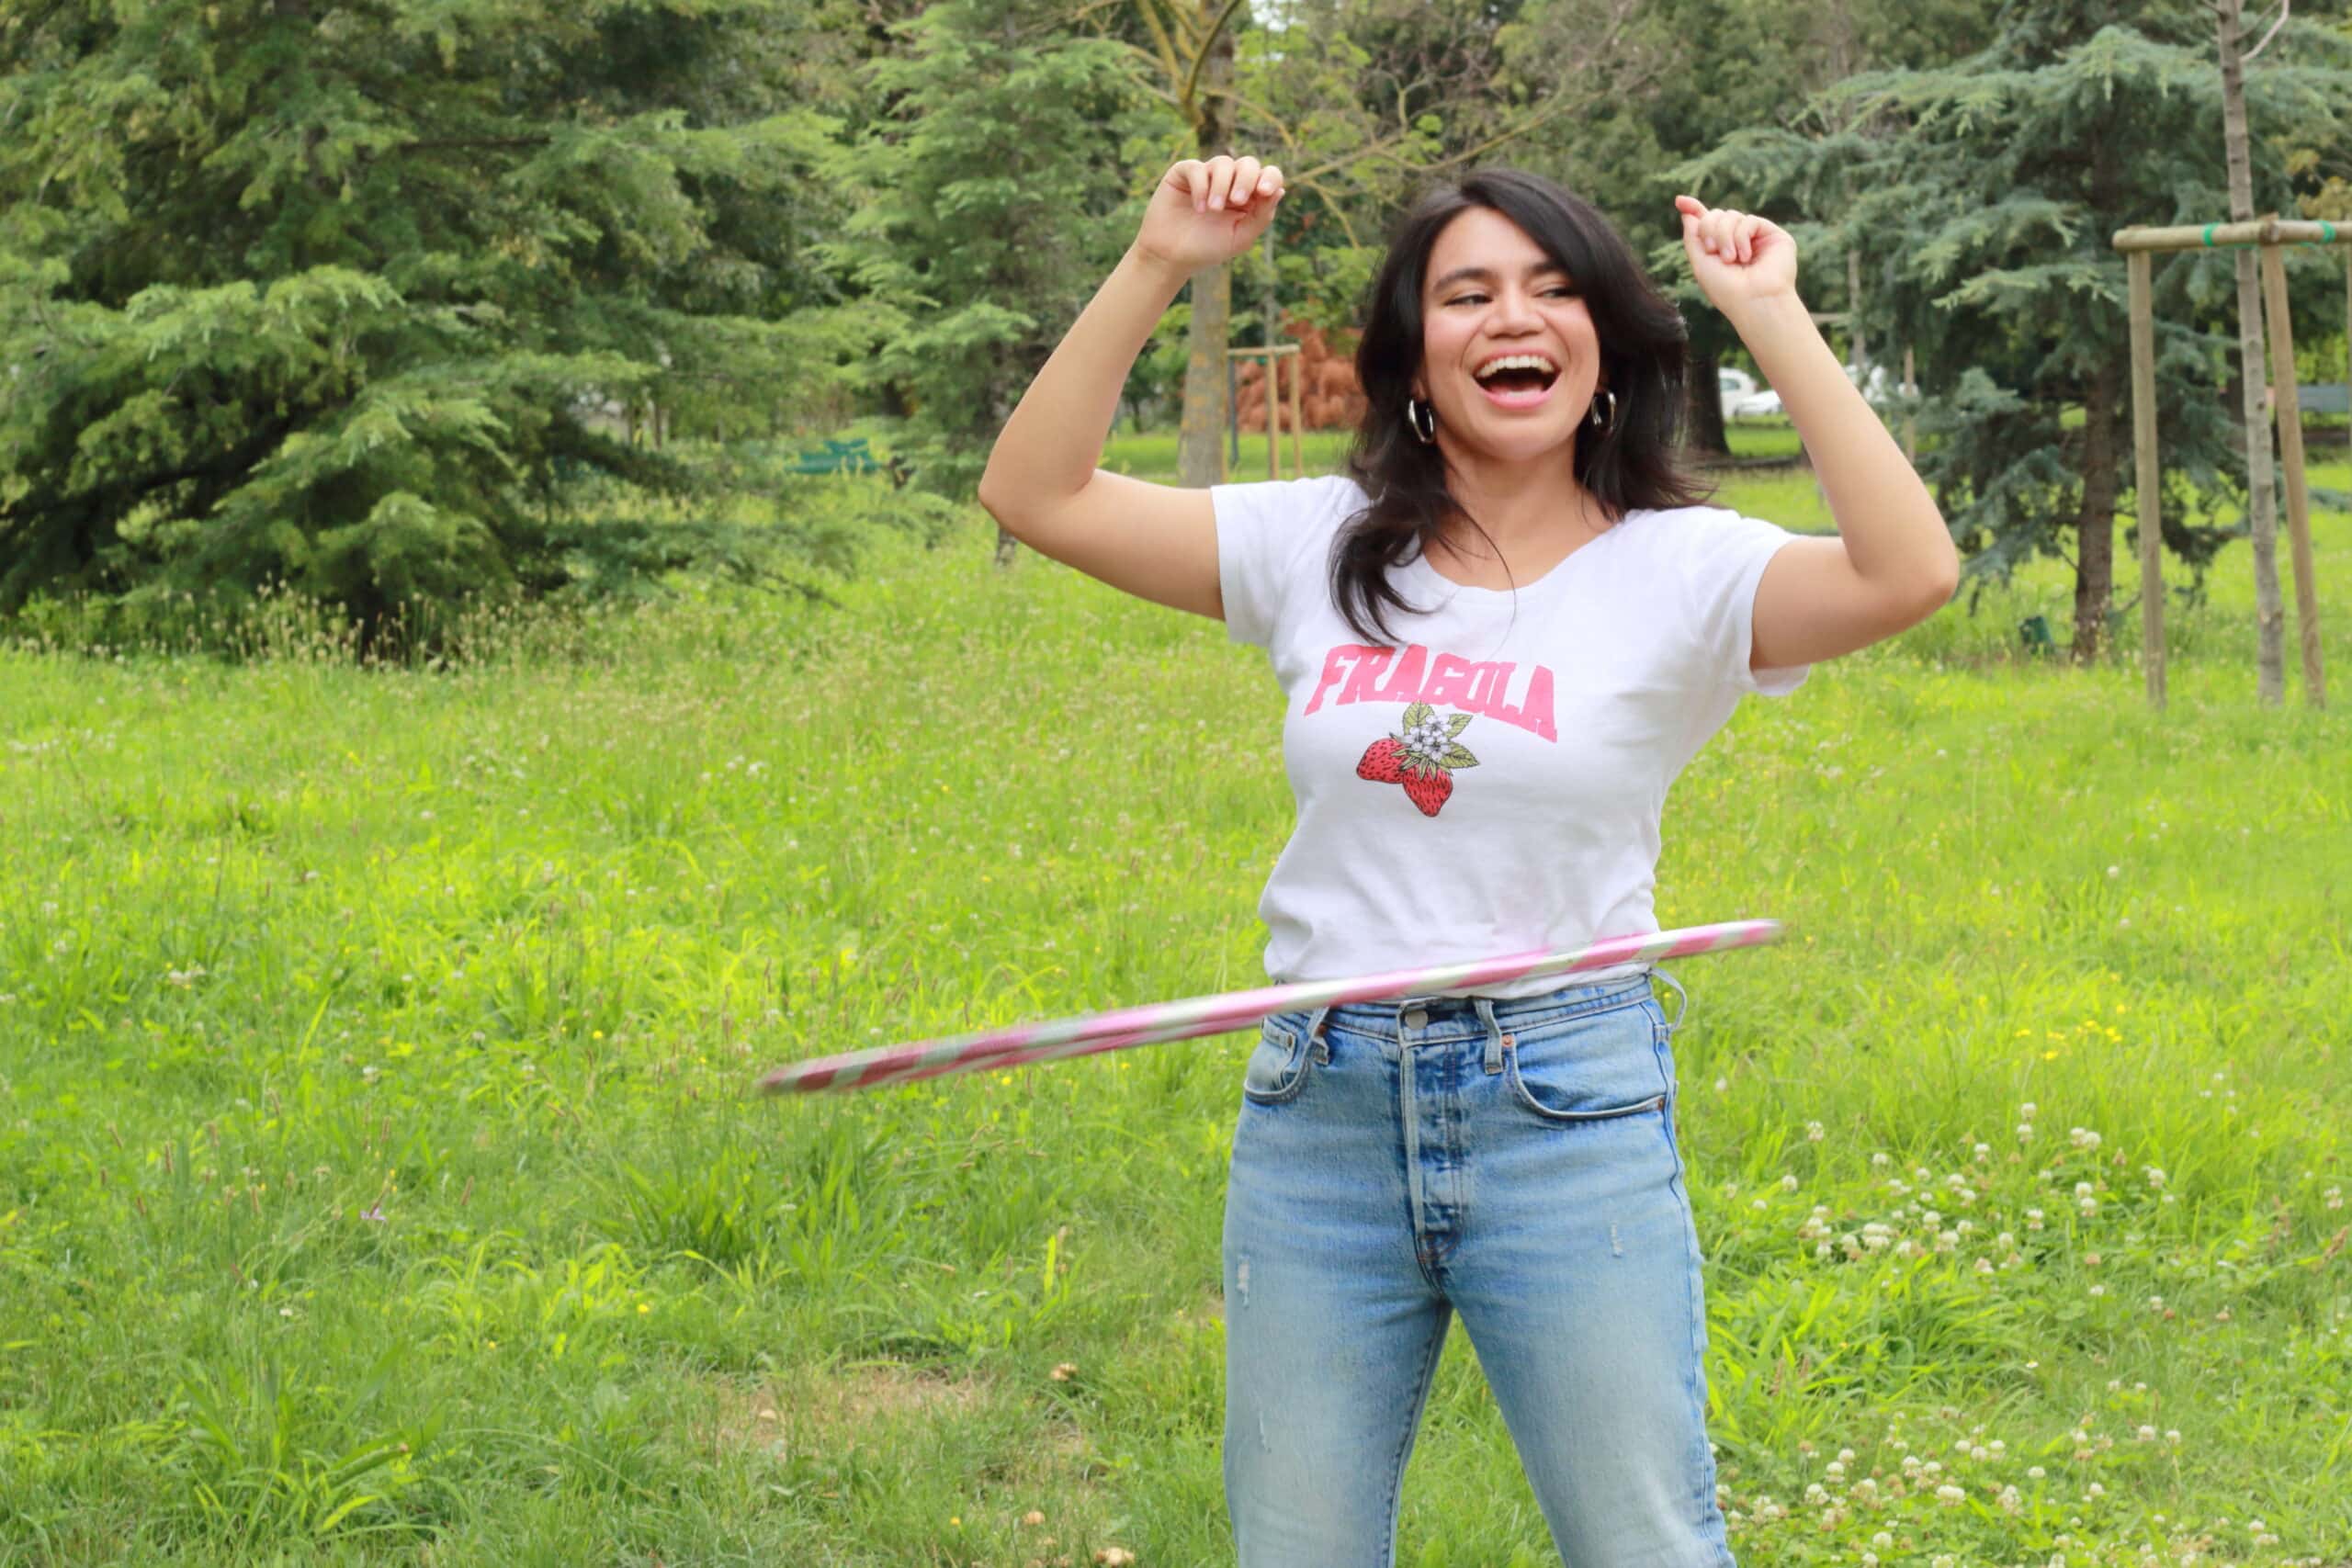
378 1184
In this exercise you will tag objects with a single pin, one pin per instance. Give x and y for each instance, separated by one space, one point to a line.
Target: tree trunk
1200 448
1273 314
2094 525
2262 519
1705 432
1002 400
1858 352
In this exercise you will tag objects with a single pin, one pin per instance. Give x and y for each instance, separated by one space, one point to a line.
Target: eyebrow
1484 275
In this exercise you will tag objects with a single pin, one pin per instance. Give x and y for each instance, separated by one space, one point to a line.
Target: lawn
379 1180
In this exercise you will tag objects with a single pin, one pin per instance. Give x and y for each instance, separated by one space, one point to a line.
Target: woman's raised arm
1043 483
1893 564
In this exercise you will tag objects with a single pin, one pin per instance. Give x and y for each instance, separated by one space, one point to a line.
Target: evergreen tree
992 195
1690 74
1982 198
324 295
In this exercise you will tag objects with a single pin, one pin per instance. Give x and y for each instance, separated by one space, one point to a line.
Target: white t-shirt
1495 785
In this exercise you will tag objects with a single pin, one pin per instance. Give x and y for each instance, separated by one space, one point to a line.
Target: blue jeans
1511 1160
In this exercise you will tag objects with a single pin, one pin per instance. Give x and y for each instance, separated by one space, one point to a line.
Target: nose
1515 312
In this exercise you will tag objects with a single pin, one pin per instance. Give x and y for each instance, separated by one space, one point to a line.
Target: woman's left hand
1739 258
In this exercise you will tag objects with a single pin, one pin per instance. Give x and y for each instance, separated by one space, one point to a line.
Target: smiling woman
1571 627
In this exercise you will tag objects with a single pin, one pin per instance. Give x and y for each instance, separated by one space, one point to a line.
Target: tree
1185 60
1981 198
1690 74
993 196
2269 614
324 295
1359 101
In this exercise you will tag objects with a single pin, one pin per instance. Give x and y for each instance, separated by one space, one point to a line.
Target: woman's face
1493 296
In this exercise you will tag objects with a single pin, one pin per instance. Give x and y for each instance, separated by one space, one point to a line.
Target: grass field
378 1184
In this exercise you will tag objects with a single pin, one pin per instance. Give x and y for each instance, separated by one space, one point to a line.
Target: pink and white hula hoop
1088 1033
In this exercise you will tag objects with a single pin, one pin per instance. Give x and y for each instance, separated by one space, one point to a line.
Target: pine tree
1690 74
1982 198
324 295
992 195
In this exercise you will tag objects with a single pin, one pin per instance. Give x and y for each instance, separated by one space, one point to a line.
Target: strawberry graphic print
1421 756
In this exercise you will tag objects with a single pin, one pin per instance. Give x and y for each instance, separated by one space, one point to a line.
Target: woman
1501 635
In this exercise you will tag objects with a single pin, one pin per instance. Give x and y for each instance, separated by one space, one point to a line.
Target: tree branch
233 462
1167 48
1557 106
1272 119
1331 205
2284 7
452 143
1209 41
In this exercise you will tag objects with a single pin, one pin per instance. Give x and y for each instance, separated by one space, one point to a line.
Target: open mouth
1517 381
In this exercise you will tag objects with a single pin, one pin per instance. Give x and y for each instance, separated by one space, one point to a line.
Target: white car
1735 389
1742 399
1740 395
1881 389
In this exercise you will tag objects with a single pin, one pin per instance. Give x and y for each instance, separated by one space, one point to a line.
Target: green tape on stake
2208 235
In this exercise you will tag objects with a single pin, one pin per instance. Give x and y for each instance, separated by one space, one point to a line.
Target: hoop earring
1598 420
1420 418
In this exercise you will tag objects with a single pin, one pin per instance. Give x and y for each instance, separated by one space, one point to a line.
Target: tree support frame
2138 245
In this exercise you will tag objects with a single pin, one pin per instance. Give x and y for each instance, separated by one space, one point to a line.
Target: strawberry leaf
1457 724
1458 756
1419 714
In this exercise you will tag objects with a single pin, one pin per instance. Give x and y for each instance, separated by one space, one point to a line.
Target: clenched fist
1204 214
1738 258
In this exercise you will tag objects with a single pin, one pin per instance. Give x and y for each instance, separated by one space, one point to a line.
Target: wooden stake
2150 475
1297 419
2290 452
2271 230
1273 415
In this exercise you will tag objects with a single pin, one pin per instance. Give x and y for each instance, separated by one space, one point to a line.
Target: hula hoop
1088 1033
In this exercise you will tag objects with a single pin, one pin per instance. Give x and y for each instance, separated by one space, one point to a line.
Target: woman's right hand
1204 214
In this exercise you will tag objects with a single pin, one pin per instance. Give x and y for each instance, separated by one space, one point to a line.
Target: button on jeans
1513 1161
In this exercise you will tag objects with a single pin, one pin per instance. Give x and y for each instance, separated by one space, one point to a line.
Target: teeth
1517 362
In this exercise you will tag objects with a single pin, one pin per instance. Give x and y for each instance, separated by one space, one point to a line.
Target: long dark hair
1633 463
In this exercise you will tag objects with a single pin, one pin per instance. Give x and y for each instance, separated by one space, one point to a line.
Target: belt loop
1314 1035
1485 1005
1674 1025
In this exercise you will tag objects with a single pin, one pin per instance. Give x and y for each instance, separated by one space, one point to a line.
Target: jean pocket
1591 1068
1277 1068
